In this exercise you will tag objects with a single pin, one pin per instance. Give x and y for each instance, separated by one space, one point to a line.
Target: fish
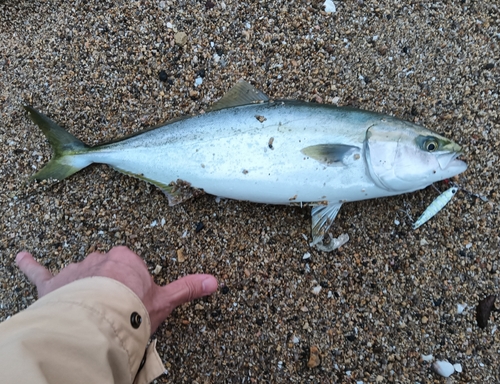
253 148
434 207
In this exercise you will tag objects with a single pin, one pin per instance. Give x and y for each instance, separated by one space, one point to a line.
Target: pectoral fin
322 218
242 93
333 154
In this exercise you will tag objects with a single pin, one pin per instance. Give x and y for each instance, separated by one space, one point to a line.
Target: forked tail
64 162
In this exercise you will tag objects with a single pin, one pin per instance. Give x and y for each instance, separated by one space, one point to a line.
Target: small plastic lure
438 204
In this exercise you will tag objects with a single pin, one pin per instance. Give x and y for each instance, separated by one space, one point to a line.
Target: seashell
443 368
458 367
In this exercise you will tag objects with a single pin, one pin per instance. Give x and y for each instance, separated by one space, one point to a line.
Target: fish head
404 157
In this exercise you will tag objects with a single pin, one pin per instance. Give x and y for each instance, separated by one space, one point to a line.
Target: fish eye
431 145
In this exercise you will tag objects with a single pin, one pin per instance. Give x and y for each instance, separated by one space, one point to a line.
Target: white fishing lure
438 204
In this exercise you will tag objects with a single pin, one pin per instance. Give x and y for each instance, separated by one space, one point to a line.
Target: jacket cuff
153 366
121 317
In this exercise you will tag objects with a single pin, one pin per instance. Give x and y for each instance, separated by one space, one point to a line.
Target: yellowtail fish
248 147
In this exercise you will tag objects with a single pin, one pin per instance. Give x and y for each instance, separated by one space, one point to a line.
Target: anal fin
322 219
176 191
180 191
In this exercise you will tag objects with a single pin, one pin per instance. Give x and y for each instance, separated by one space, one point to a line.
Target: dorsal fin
242 93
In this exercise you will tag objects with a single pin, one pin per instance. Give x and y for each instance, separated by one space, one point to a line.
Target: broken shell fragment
316 290
461 308
427 357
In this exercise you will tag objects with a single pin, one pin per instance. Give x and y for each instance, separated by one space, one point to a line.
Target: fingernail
209 285
20 256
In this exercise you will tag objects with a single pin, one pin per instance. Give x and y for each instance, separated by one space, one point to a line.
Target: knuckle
191 290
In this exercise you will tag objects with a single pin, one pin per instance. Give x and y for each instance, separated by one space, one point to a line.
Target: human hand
123 265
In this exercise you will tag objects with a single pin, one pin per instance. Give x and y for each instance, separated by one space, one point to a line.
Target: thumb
186 289
36 273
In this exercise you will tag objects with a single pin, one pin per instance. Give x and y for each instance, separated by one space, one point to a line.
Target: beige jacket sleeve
94 330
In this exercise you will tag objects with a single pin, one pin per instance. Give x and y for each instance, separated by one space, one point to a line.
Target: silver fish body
227 153
281 152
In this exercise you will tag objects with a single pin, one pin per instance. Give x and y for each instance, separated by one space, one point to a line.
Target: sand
107 69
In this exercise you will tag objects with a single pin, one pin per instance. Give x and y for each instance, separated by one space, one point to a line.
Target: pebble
199 227
314 357
209 4
443 368
181 38
181 256
162 75
483 310
329 6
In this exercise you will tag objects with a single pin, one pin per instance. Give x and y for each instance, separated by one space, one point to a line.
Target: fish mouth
450 160
453 166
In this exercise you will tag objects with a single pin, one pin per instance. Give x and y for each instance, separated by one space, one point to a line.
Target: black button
135 320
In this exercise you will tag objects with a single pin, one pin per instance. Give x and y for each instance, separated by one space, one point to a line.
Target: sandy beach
285 312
